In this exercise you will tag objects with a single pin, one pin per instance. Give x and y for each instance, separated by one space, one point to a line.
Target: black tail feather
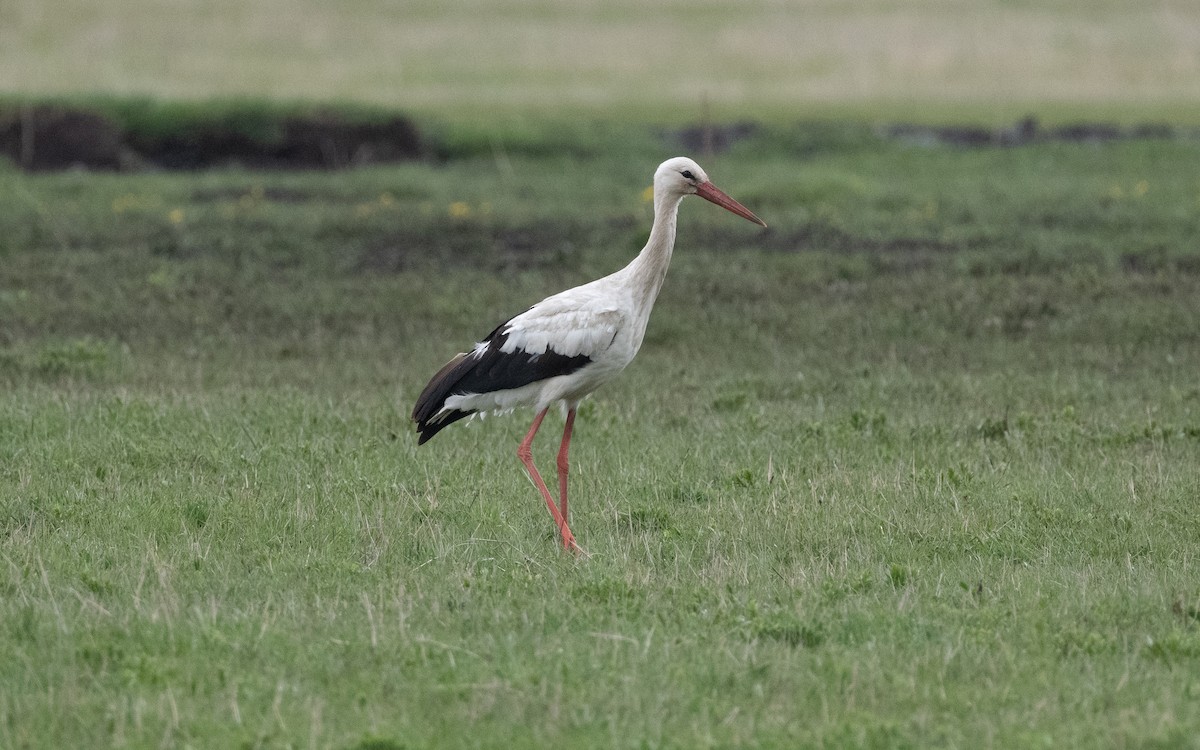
433 399
426 430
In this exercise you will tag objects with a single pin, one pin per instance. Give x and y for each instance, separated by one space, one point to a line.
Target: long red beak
710 192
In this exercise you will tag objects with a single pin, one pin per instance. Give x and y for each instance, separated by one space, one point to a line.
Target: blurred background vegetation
492 58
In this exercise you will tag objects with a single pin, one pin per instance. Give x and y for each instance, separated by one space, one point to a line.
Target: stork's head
681 176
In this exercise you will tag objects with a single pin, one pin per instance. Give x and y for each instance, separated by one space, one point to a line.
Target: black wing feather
486 371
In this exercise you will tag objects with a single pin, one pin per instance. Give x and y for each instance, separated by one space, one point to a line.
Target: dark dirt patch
711 138
827 238
507 248
322 141
41 137
483 245
809 137
461 243
1028 131
877 255
50 137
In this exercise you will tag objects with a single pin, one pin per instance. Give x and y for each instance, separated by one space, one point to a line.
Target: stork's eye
688 174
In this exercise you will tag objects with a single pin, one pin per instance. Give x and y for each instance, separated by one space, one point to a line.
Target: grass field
917 466
491 58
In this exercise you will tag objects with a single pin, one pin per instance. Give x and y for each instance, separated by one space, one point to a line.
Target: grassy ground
915 467
484 57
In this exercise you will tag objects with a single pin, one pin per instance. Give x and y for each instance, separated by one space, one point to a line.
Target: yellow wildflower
175 215
460 210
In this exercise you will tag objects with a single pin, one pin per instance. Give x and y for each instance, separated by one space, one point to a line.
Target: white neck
649 268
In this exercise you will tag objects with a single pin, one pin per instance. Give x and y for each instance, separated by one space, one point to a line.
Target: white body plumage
569 344
600 321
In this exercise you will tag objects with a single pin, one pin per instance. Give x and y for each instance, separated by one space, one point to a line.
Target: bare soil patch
46 137
51 137
1027 131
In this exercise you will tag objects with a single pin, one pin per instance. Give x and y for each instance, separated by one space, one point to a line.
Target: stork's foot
572 547
569 543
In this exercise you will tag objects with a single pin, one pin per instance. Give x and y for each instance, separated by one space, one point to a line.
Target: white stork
567 345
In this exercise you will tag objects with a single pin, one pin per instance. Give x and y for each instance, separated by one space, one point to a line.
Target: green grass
915 467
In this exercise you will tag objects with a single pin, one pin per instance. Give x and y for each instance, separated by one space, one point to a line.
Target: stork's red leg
525 453
563 464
